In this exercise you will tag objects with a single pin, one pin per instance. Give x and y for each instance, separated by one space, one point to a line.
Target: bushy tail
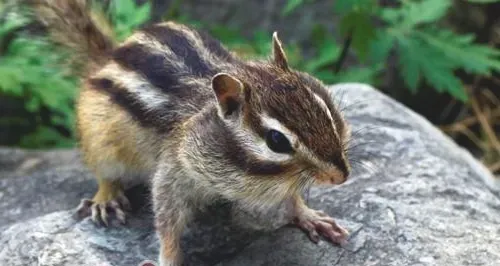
74 24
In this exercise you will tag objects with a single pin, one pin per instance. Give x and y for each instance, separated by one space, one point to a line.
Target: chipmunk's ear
279 55
228 91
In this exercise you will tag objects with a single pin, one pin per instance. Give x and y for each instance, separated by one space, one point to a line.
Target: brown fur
158 107
72 24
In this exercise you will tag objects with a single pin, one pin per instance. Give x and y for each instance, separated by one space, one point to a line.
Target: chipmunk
172 104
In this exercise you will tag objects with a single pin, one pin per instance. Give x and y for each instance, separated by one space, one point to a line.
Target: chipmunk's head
285 120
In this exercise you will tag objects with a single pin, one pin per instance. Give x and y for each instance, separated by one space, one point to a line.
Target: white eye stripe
271 123
260 147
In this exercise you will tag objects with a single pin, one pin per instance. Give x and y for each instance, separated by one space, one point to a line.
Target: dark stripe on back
215 47
156 68
181 46
161 119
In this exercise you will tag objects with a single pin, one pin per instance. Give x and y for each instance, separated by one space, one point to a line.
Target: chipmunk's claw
99 210
317 222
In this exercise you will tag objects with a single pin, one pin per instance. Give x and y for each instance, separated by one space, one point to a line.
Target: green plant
33 71
30 71
426 52
432 53
127 15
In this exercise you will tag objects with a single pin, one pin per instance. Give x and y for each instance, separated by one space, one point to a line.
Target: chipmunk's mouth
330 177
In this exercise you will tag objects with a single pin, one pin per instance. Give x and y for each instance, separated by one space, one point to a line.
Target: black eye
277 142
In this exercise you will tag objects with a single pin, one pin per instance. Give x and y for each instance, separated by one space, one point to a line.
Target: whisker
358 148
347 107
341 100
371 168
350 144
359 130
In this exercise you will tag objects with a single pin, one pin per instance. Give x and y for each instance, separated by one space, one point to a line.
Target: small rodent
173 106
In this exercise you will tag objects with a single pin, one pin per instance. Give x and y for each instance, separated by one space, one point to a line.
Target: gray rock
415 198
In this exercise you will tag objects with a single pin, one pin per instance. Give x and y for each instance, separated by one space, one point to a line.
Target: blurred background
440 58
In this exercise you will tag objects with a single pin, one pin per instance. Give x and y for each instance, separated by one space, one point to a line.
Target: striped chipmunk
172 107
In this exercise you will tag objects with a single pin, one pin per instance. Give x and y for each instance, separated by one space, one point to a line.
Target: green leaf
426 11
347 6
31 69
11 81
33 104
460 49
409 62
362 30
418 59
126 16
360 74
263 43
226 34
142 14
290 6
326 76
390 15
328 52
414 13
44 136
381 46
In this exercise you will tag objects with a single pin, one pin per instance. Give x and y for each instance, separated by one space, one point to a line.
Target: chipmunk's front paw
101 206
317 222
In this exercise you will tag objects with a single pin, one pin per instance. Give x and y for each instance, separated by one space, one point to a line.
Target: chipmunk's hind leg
110 198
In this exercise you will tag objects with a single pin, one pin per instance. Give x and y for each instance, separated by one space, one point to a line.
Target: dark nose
347 172
342 165
344 169
345 176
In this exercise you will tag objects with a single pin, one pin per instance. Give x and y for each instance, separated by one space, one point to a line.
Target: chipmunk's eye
277 142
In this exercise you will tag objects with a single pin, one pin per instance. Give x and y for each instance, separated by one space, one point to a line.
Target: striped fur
150 108
173 68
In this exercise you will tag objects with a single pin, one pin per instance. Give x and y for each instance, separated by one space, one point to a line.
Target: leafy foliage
433 54
426 53
127 15
33 72
30 71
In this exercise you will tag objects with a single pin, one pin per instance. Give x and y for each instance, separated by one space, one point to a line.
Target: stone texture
415 198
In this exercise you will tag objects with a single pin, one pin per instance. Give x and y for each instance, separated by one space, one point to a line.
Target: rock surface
415 198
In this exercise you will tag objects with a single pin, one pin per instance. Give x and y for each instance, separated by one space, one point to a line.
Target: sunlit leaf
290 6
426 11
420 60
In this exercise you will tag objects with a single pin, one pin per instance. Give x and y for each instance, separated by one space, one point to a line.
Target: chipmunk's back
161 75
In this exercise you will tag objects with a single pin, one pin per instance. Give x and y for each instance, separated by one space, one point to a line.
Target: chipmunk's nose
342 177
332 176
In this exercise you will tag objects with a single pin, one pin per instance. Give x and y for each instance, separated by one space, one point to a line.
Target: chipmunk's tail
74 24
